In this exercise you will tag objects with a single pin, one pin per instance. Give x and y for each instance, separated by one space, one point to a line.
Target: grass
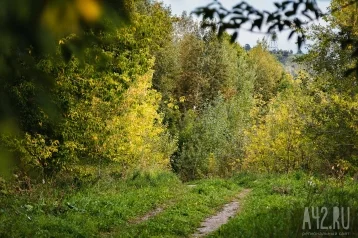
108 207
113 206
183 217
276 206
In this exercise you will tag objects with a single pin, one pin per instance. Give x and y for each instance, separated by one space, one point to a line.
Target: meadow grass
276 206
112 206
109 206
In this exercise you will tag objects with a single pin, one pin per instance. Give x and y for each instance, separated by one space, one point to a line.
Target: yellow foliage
140 136
346 14
63 17
276 144
90 10
268 72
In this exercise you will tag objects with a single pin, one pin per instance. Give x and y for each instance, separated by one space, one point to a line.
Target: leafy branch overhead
289 15
292 15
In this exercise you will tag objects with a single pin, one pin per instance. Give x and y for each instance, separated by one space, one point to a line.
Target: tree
334 92
211 124
269 72
292 15
95 94
278 142
30 33
289 15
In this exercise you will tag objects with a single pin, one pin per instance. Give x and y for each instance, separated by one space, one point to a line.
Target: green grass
108 207
276 206
112 206
183 217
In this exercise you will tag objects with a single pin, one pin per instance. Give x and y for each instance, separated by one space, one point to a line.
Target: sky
178 6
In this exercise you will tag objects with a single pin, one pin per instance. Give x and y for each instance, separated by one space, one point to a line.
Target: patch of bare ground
149 215
222 217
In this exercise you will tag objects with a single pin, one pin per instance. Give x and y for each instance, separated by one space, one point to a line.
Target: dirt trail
148 215
153 213
228 211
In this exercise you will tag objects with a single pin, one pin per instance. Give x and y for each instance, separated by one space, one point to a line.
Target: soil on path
222 217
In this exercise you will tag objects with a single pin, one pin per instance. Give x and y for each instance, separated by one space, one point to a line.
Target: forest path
222 217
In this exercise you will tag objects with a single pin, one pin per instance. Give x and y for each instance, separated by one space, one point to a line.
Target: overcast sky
178 6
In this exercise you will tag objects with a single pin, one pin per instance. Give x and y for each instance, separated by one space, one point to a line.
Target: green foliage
102 100
333 94
208 101
100 105
309 124
213 142
33 30
269 72
305 127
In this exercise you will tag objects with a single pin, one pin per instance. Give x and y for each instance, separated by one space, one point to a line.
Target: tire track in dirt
222 217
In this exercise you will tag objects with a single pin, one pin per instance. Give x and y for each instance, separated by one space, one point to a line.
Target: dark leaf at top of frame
237 12
244 12
238 21
297 22
285 4
310 6
240 5
290 13
280 26
234 37
278 5
257 23
300 41
287 23
306 15
272 28
291 34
